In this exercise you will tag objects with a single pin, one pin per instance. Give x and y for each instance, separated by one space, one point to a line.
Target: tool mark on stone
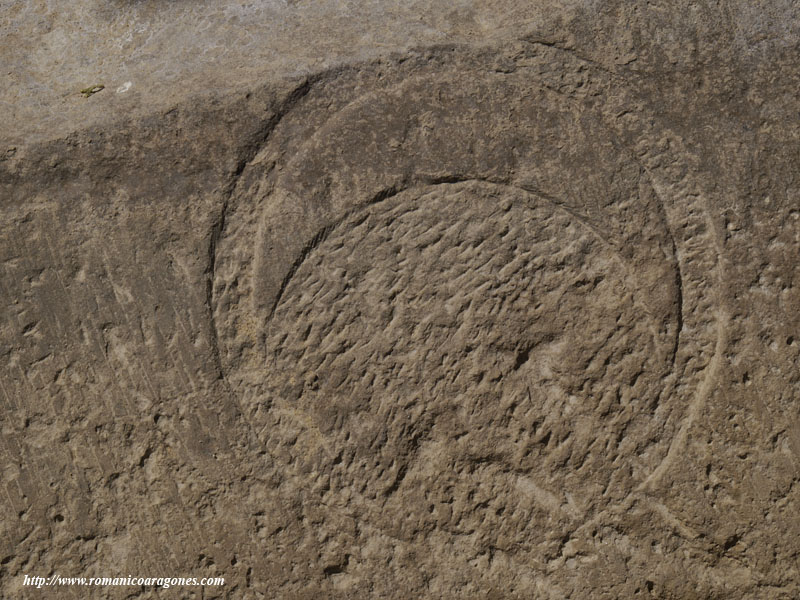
704 390
572 52
391 217
247 154
319 237
645 169
389 193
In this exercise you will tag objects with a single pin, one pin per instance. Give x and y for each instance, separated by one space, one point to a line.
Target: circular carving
480 320
468 309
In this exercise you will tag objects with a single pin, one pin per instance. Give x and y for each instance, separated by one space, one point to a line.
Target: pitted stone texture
503 128
464 311
484 322
281 170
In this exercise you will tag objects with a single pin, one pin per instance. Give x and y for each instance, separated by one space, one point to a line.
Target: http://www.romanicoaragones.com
129 581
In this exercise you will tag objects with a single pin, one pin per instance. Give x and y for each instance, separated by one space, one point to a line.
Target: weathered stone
401 299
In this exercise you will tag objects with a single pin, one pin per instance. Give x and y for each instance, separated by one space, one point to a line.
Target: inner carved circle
462 325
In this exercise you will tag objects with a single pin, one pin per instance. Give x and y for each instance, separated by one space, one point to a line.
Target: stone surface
401 299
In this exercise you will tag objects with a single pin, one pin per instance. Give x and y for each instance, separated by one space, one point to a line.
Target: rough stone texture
387 300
